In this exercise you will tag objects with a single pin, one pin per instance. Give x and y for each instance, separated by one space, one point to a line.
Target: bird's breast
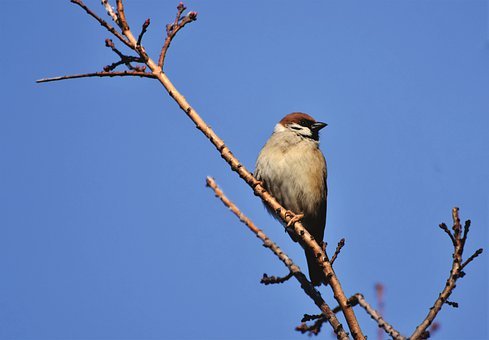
295 175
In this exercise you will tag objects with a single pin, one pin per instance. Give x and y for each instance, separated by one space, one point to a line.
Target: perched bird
293 170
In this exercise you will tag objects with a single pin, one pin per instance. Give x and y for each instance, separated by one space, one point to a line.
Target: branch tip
269 280
471 258
173 28
451 303
340 245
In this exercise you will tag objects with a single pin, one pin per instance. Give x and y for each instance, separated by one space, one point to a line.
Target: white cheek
306 132
279 128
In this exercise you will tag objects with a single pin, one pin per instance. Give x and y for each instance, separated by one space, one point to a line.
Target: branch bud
109 43
181 7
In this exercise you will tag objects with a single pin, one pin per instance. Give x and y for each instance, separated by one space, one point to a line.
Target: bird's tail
316 274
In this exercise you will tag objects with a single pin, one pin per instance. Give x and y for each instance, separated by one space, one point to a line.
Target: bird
293 169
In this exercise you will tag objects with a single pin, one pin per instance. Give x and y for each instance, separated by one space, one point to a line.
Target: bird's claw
295 217
257 183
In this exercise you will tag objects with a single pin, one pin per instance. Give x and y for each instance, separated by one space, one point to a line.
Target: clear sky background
108 232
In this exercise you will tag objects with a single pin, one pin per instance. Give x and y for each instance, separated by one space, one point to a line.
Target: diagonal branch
377 317
294 269
102 22
471 258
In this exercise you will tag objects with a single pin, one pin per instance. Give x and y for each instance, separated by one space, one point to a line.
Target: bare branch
457 228
270 280
377 317
308 288
471 258
124 59
455 273
451 303
143 30
102 22
337 251
308 317
122 17
444 227
110 10
172 30
314 329
100 74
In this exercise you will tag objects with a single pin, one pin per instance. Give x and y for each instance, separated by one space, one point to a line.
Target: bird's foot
257 183
295 218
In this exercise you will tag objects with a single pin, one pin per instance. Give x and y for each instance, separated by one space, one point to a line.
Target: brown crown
298 118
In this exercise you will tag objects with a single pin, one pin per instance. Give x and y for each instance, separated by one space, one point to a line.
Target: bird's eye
305 122
296 128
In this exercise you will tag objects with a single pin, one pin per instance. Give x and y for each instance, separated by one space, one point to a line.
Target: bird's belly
298 182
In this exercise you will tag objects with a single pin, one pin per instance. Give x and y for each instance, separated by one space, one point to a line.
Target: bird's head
301 124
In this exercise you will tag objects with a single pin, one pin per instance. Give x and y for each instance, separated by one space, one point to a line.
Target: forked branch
458 240
173 28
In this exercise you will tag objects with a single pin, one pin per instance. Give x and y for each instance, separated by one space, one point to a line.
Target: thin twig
172 30
270 280
110 10
124 59
452 303
444 227
378 318
100 74
309 317
308 288
143 30
337 251
314 329
471 258
102 22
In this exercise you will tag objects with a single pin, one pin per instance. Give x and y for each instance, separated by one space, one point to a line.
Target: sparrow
293 169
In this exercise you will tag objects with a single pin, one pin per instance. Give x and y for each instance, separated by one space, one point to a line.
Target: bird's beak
318 126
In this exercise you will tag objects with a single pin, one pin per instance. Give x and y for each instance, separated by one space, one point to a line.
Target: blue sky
107 229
